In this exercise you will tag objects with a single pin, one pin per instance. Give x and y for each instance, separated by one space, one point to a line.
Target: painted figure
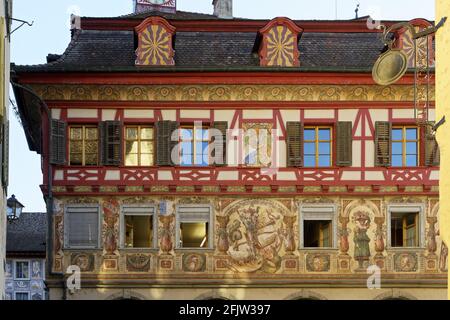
361 239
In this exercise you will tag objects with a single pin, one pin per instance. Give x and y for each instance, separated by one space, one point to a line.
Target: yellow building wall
443 109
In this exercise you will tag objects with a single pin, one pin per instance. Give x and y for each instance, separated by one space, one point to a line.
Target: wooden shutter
111 143
344 143
164 143
432 153
58 140
294 141
5 154
383 143
220 147
173 143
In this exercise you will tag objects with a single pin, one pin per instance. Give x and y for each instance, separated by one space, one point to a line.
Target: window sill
195 249
406 248
318 249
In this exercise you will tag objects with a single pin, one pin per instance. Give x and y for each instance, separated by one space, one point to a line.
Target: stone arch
215 295
393 295
356 204
305 295
126 295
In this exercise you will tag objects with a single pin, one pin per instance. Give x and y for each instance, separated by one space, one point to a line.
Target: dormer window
279 46
155 43
419 47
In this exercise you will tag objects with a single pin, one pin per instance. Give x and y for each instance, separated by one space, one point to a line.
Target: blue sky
50 34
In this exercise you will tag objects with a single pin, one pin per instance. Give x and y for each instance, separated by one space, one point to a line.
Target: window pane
309 134
147 133
139 231
186 160
76 133
411 134
21 296
91 133
83 229
310 148
91 147
201 160
131 159
132 147
397 161
251 158
309 161
76 159
324 134
411 161
324 148
22 270
201 134
194 235
397 134
396 230
324 161
186 134
91 159
147 159
397 148
76 147
186 148
147 147
132 133
411 148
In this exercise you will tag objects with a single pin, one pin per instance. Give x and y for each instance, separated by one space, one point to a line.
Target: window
318 226
83 146
317 234
139 229
194 143
82 227
139 146
405 229
258 144
405 142
22 271
194 227
317 146
22 296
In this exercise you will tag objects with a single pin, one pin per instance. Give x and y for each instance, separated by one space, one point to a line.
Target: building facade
442 108
198 157
25 257
5 23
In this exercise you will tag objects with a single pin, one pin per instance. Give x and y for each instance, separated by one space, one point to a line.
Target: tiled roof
106 50
27 234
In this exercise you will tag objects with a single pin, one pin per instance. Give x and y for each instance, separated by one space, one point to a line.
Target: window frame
318 212
83 156
194 145
317 142
407 208
124 212
15 269
28 293
404 142
125 140
183 217
98 246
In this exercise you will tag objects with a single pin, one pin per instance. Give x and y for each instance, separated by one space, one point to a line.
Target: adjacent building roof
27 234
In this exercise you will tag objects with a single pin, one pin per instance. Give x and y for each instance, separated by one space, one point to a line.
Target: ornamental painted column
379 243
344 257
222 242
431 259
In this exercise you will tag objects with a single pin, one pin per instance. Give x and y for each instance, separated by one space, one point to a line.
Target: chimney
223 9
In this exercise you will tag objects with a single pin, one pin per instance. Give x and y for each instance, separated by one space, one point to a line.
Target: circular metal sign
390 67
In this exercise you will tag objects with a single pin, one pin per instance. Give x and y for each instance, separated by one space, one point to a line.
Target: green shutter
294 144
383 143
344 143
5 156
432 153
58 140
164 143
220 147
111 143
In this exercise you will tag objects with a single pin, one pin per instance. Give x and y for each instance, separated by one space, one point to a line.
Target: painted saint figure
361 239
